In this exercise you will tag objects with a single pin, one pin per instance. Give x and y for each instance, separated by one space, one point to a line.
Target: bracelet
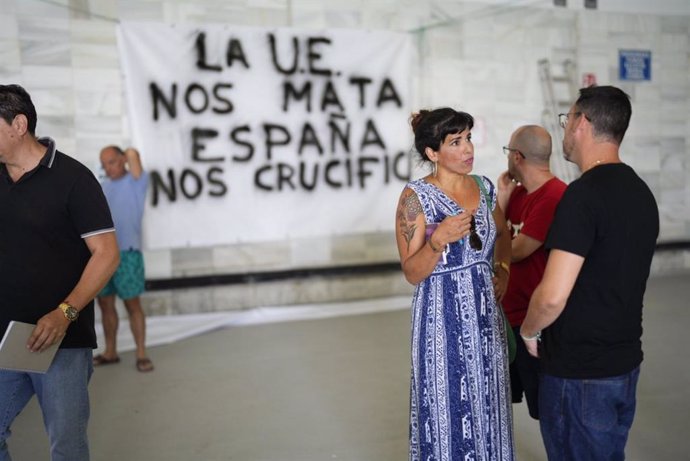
503 265
431 245
536 337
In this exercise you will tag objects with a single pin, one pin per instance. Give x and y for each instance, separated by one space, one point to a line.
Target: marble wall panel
103 79
37 77
648 94
590 20
251 257
308 18
674 110
634 41
10 59
157 303
188 262
596 62
9 28
675 24
674 44
238 15
674 171
29 9
673 212
97 127
65 144
632 23
54 102
665 62
670 262
416 18
44 28
673 128
310 252
95 56
236 297
102 103
476 48
93 31
7 6
45 53
231 259
189 301
347 19
644 155
673 149
445 44
646 118
87 150
269 4
54 125
591 40
674 77
135 10
349 249
158 264
381 246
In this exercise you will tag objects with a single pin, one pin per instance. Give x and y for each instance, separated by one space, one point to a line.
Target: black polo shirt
44 218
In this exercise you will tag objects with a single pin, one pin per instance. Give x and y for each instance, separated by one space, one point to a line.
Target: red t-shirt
529 214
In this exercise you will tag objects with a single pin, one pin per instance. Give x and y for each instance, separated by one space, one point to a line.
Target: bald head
113 161
534 142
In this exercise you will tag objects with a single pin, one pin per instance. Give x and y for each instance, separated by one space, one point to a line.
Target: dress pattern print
460 405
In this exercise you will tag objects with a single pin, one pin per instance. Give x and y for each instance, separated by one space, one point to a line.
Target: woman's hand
500 280
451 229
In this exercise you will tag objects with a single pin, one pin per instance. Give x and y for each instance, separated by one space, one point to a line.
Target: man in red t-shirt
529 193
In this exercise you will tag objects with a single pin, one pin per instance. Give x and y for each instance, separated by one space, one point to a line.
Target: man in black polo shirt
589 302
57 250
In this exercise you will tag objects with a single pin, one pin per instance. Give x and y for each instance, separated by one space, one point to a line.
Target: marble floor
329 389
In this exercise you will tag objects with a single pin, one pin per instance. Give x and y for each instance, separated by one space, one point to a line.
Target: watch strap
70 312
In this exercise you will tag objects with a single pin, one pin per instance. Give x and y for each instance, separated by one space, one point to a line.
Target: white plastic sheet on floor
170 328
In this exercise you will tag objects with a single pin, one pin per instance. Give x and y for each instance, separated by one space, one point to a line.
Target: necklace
593 164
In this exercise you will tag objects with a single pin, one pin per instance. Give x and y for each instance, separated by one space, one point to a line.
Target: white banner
256 134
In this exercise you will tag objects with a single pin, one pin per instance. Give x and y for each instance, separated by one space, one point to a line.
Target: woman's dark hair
431 127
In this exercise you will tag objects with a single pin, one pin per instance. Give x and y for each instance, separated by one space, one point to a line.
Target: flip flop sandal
100 360
144 365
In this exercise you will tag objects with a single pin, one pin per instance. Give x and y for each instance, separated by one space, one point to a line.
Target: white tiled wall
480 57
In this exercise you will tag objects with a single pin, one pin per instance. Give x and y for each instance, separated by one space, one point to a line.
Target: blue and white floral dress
460 405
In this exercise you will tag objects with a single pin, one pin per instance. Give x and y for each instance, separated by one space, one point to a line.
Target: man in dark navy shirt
57 250
589 302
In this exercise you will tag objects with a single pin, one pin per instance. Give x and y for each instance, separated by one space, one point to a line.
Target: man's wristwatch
70 312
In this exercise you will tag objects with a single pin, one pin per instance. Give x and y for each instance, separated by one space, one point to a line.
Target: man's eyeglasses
475 241
563 118
507 150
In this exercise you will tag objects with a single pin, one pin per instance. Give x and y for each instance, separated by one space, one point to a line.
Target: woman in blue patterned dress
455 247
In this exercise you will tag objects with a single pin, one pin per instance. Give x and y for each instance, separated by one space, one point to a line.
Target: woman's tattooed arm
409 209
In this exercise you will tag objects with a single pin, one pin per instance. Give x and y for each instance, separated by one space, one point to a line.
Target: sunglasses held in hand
475 241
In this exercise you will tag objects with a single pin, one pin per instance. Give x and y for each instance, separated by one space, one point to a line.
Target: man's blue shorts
128 280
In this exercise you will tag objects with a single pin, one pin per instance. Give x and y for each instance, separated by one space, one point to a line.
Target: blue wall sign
634 65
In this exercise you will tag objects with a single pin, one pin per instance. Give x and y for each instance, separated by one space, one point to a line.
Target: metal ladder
559 91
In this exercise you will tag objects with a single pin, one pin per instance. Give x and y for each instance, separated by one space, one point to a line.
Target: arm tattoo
408 210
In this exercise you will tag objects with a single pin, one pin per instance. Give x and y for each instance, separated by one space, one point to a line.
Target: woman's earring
434 169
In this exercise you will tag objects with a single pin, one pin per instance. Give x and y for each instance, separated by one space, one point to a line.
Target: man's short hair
14 100
608 109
